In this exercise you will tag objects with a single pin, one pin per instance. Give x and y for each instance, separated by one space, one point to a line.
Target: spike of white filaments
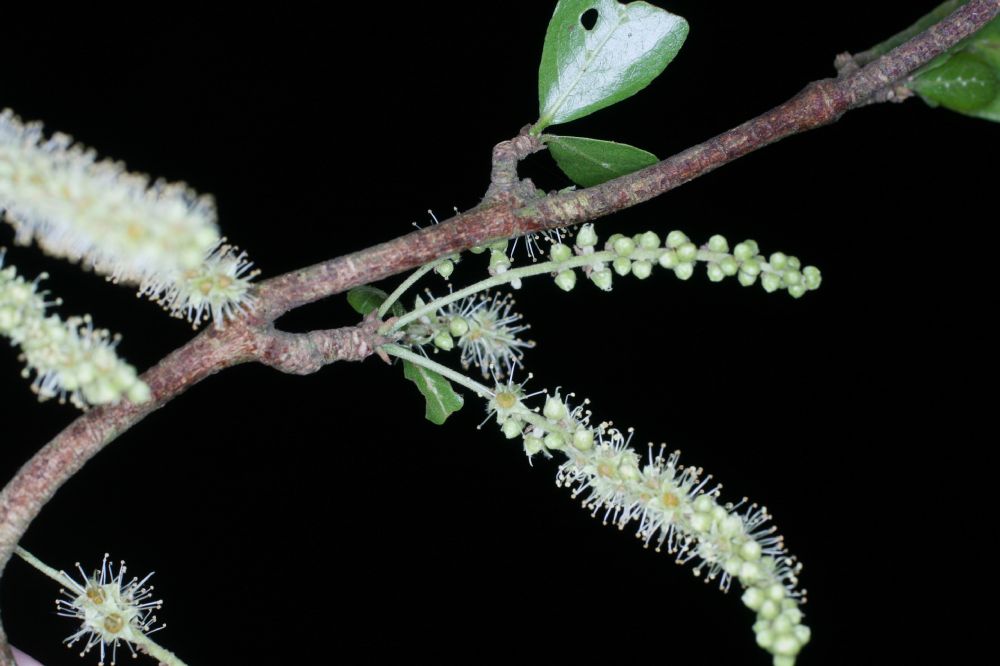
160 236
70 359
676 508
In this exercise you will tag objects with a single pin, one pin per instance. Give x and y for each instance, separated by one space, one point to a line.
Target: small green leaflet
590 162
442 400
586 70
365 298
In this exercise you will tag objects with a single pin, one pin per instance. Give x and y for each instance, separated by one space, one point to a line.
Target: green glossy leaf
366 298
585 70
441 398
964 83
591 162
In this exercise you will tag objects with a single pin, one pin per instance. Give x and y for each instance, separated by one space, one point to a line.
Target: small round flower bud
649 241
583 439
749 572
512 428
554 441
554 408
684 271
704 504
443 340
791 277
718 243
642 269
560 252
745 250
778 261
803 633
797 290
765 638
622 265
477 249
794 263
750 267
811 277
445 268
458 326
586 237
746 279
602 279
668 259
499 260
753 598
729 266
770 282
715 272
610 245
687 252
566 280
787 646
532 445
775 592
676 239
768 610
624 246
750 550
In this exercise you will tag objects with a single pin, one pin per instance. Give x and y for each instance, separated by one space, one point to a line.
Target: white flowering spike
217 289
677 510
111 609
70 359
77 207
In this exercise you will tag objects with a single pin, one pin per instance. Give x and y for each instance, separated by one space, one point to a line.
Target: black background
322 520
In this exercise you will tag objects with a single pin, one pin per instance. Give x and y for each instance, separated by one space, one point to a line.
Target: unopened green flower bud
602 279
566 280
649 241
746 250
778 261
443 340
687 252
445 268
622 265
668 259
583 439
532 445
718 243
753 598
560 252
729 266
512 428
715 273
554 441
642 269
499 260
554 408
811 277
794 263
676 239
746 279
770 282
750 267
684 271
586 237
791 277
797 290
477 249
610 245
624 246
458 326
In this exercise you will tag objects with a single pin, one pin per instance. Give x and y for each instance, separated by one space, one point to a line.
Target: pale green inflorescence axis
675 508
112 610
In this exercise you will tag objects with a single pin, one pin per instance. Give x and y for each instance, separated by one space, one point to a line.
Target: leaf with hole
590 162
366 298
442 401
624 49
